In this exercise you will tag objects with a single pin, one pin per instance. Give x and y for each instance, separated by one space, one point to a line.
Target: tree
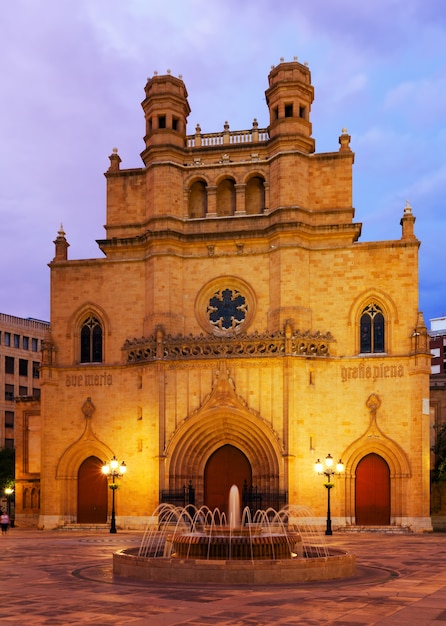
439 449
7 469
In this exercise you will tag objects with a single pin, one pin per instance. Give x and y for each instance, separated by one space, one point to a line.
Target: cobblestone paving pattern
57 578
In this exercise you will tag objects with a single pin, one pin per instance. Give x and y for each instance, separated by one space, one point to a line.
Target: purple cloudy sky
73 76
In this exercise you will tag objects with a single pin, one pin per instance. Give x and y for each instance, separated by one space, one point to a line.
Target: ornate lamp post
8 492
113 470
328 471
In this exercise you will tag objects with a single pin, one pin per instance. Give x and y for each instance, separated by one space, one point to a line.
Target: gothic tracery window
91 341
372 329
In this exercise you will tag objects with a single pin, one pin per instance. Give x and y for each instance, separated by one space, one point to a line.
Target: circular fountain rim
339 564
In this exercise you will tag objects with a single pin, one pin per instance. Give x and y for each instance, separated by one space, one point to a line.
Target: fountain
199 545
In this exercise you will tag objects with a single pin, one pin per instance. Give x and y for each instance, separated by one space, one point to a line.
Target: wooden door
92 493
226 467
372 493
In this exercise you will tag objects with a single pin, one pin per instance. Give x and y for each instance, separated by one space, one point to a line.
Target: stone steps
390 530
85 527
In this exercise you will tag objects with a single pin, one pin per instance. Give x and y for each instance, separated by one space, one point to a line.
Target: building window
198 200
288 110
36 393
34 345
7 339
9 419
9 393
255 195
26 343
91 341
9 365
23 367
23 391
226 198
36 366
372 329
9 444
161 121
16 341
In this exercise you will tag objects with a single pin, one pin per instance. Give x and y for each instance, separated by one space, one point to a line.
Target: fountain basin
338 564
235 545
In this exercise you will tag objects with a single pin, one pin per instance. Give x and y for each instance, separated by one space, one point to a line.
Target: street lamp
8 491
113 470
328 471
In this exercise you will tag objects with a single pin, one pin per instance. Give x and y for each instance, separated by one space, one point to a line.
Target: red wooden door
92 493
372 493
226 467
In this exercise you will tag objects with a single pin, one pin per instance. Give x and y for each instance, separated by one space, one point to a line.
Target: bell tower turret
289 97
165 109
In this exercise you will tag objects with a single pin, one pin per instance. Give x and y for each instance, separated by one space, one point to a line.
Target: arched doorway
91 493
227 466
372 491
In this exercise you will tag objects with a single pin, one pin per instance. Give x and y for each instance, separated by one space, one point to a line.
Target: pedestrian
4 522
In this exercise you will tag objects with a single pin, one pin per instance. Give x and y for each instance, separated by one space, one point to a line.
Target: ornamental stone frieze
279 344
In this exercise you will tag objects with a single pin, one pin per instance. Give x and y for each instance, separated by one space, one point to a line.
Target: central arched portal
227 466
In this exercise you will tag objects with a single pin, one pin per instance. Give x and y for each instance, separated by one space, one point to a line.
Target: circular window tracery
225 306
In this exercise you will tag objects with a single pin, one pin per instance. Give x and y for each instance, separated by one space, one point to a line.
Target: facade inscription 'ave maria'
372 372
89 380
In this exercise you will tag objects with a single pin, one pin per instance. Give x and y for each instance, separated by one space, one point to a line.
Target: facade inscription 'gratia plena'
372 372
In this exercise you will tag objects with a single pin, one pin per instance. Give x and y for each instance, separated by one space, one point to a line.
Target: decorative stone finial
407 208
344 140
61 246
115 160
407 223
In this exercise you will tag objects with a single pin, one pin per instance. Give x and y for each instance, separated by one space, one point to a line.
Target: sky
72 82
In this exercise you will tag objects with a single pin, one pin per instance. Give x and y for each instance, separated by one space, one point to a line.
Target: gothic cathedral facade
235 331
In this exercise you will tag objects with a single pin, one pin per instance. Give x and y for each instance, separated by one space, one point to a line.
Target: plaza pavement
60 577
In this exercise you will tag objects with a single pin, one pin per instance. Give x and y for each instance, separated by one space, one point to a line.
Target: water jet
189 544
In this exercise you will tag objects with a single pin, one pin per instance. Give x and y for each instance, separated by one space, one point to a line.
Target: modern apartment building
20 345
437 344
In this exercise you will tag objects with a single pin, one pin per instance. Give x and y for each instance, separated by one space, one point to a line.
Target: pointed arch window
91 341
372 329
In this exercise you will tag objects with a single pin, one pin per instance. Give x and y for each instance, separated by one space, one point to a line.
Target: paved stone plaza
55 577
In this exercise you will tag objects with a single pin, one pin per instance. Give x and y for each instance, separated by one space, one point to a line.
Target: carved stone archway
224 418
374 441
